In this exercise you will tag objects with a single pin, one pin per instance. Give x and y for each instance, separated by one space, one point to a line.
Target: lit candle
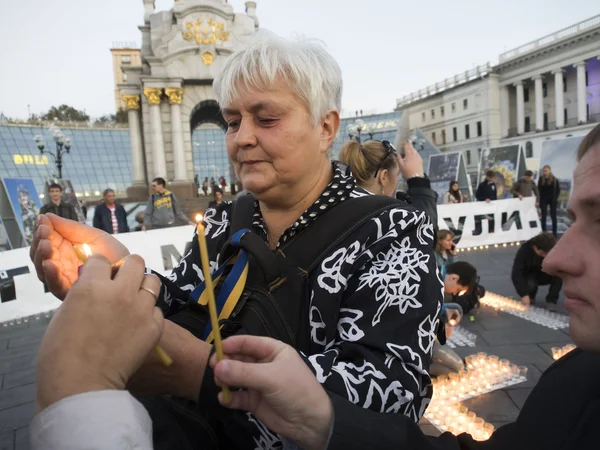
212 306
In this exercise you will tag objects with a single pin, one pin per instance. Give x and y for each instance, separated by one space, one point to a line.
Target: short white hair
304 64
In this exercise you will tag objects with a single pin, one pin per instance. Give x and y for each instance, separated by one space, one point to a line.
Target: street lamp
355 129
61 141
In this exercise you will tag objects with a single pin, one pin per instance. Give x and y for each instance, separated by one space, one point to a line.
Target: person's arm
519 278
73 213
97 221
148 212
423 197
516 188
124 216
177 211
479 195
536 192
98 420
557 189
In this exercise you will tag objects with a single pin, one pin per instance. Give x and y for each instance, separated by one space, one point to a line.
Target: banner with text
497 222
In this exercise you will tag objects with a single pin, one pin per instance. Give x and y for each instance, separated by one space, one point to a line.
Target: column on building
581 93
539 103
175 98
504 111
132 102
520 108
559 97
153 95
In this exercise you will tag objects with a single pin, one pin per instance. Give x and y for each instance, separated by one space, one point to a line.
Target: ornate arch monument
171 92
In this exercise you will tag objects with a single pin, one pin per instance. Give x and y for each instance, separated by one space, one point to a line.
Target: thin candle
83 254
210 292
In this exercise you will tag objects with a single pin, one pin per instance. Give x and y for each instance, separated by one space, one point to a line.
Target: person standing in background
57 205
445 249
110 216
205 186
453 195
487 190
549 191
526 187
163 209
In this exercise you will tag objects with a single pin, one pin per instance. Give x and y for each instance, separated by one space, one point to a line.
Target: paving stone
534 334
18 361
519 396
30 340
7 440
495 407
17 396
19 378
17 417
22 439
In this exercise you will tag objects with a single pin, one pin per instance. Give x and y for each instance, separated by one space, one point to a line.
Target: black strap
242 213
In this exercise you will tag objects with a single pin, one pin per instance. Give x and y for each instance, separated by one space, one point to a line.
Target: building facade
170 94
546 89
124 54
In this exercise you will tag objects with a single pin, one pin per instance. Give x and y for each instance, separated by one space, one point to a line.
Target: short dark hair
467 273
592 139
55 186
528 173
219 190
545 241
489 173
159 180
106 191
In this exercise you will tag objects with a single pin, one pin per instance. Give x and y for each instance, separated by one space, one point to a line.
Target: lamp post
355 129
61 141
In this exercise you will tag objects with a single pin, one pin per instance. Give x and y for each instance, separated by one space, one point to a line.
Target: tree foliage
65 113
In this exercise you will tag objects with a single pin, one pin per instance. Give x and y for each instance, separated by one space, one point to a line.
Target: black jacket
64 210
103 221
561 413
486 190
549 192
526 265
421 196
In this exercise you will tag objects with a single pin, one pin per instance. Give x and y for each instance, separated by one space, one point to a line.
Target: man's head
489 175
528 176
218 195
158 185
109 197
576 257
55 192
460 276
543 243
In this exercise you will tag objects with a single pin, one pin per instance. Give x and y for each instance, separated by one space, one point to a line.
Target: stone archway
209 154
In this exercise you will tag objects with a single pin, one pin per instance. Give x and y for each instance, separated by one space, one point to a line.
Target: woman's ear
382 176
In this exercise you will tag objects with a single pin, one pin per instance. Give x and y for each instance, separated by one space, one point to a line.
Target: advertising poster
68 195
25 203
561 156
4 241
504 162
443 169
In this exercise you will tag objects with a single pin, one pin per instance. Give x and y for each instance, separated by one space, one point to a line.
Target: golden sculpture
131 101
175 95
205 34
153 95
208 58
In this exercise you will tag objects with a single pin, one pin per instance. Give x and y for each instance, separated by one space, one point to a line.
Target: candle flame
463 292
198 217
87 250
452 322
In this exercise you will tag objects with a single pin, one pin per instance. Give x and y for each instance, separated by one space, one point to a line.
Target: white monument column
559 100
135 137
520 108
504 111
539 103
158 148
581 95
175 97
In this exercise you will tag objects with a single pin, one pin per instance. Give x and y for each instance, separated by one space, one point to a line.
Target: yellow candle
210 292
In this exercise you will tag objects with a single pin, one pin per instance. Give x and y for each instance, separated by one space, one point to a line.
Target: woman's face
455 187
546 172
274 146
446 243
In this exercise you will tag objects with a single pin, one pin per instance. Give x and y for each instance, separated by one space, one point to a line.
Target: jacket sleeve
390 301
516 187
177 211
557 189
423 197
73 213
479 195
536 191
97 222
124 218
44 209
519 278
148 212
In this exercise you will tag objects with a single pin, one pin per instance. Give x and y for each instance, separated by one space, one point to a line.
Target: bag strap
242 214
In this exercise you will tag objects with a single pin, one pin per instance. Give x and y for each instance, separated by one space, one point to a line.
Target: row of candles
533 314
486 247
483 374
559 352
461 338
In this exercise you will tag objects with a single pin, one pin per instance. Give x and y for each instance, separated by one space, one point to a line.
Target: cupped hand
102 333
52 250
412 164
280 389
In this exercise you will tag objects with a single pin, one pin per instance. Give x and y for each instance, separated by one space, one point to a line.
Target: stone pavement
506 336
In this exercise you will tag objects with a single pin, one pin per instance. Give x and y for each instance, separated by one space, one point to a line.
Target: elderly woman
368 309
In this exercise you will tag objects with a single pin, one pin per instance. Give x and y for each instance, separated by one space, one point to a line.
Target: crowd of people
350 289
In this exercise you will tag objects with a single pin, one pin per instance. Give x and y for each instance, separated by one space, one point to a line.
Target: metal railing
448 83
550 39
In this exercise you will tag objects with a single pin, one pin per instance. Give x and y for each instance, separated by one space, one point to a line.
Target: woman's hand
280 390
52 250
412 165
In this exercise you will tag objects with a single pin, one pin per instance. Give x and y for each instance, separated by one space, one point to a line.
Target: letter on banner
457 230
479 228
515 217
170 254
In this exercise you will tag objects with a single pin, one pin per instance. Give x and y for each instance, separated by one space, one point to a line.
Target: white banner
22 294
497 222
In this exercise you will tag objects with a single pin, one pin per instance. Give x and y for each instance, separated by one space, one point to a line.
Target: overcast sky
57 51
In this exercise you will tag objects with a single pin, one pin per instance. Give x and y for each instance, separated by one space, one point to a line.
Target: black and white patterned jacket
385 288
